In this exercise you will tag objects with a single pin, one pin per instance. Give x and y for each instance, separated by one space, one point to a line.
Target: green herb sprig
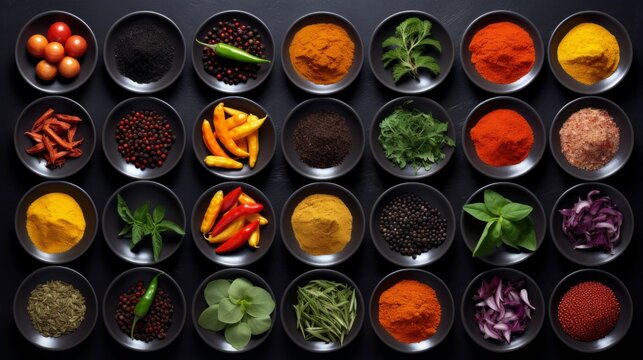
406 49
507 222
141 223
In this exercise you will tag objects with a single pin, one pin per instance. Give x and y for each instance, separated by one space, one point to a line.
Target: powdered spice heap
502 137
588 311
322 139
144 53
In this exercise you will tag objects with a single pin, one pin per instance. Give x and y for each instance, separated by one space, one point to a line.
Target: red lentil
155 324
144 138
588 311
589 139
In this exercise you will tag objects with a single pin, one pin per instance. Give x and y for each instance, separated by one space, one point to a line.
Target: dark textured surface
189 95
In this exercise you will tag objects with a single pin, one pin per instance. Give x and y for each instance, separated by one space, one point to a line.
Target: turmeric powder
322 224
589 53
322 53
55 223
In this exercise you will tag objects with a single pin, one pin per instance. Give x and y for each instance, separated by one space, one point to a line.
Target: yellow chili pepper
246 199
227 233
246 129
221 162
223 134
212 212
210 140
242 143
236 120
232 112
253 148
253 240
253 217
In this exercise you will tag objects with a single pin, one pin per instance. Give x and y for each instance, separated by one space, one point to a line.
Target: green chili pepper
145 302
233 53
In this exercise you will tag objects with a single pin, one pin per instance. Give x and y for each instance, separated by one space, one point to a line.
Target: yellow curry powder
55 223
589 53
322 53
322 224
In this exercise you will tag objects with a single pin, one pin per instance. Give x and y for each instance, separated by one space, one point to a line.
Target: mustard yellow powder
322 224
589 53
55 223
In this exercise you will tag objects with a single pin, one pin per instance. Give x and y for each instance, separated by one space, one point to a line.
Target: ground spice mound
144 53
589 139
502 138
322 139
588 311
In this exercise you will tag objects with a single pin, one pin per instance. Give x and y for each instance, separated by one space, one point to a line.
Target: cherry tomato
58 32
46 71
36 45
54 52
69 67
75 46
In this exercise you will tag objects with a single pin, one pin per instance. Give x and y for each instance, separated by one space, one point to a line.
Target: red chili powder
588 311
502 138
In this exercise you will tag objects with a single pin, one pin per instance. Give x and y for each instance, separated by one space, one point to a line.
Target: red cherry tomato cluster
60 50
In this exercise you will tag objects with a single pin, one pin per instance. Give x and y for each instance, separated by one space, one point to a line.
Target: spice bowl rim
392 169
307 85
266 241
74 83
85 158
561 241
83 244
302 168
403 274
173 118
197 63
108 58
622 117
256 280
91 303
444 73
321 273
538 149
380 243
515 18
474 333
180 302
288 237
624 43
625 302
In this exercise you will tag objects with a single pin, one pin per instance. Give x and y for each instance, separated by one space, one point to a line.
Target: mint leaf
494 201
479 211
515 211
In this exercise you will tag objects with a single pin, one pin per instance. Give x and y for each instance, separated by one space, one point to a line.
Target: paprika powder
502 138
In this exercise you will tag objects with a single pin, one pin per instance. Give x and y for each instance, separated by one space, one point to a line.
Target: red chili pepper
235 213
230 199
238 239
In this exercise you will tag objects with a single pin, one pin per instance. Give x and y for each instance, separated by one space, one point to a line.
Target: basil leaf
127 229
497 229
485 243
494 201
137 236
158 214
123 210
209 319
139 214
510 233
165 225
515 211
238 335
157 244
216 290
527 239
479 211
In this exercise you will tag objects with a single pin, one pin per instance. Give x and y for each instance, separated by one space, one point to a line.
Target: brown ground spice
589 139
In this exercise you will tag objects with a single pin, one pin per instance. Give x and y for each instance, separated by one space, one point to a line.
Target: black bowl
425 105
21 300
445 299
315 105
216 339
318 18
467 310
590 257
471 228
136 194
245 255
85 130
491 18
26 63
289 319
622 294
426 80
357 232
427 193
609 23
267 138
197 51
626 137
110 146
529 114
121 284
174 37
86 205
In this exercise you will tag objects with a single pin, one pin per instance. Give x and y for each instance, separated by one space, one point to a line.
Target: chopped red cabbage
593 223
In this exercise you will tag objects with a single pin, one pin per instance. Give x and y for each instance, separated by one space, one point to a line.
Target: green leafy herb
407 47
239 307
411 137
507 222
141 223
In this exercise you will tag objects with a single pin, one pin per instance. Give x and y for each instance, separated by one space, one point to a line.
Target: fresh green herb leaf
238 335
259 325
137 235
515 211
165 225
157 244
141 212
510 233
216 290
123 210
527 238
479 211
239 288
261 304
229 313
485 243
126 230
209 319
158 214
494 201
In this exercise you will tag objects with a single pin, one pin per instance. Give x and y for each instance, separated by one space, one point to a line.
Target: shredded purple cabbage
593 223
502 310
